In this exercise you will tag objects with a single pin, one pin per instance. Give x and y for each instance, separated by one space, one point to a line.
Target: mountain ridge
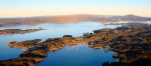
69 19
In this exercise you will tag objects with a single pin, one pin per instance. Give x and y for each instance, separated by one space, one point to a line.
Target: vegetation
131 42
19 31
131 17
52 19
68 19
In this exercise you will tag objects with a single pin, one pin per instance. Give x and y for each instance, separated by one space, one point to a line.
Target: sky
23 8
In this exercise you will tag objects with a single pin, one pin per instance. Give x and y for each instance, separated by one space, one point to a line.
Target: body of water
77 56
67 56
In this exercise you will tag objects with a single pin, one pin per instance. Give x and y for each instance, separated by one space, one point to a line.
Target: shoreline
19 31
103 38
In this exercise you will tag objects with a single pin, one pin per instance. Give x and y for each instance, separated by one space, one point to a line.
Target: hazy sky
16 8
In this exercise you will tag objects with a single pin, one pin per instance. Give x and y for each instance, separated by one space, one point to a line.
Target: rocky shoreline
19 31
131 41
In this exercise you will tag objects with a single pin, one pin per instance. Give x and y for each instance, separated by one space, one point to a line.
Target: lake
67 56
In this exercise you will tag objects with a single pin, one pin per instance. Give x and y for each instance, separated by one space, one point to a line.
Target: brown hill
131 18
53 19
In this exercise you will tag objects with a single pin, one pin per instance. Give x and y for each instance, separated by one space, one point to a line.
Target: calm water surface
77 56
68 56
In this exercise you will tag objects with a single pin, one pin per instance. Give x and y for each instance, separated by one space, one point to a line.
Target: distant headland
68 19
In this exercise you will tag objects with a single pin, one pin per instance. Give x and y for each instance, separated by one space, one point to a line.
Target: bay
83 56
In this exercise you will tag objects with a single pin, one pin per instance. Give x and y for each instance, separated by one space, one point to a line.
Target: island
131 42
19 31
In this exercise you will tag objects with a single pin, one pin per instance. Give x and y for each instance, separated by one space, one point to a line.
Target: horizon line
65 15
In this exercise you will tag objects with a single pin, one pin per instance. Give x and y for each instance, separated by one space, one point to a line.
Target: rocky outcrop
24 61
28 44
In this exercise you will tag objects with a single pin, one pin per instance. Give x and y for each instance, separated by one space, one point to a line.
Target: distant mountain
104 19
53 19
69 19
131 18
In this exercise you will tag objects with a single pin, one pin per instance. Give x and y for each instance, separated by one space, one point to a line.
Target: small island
19 31
131 42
